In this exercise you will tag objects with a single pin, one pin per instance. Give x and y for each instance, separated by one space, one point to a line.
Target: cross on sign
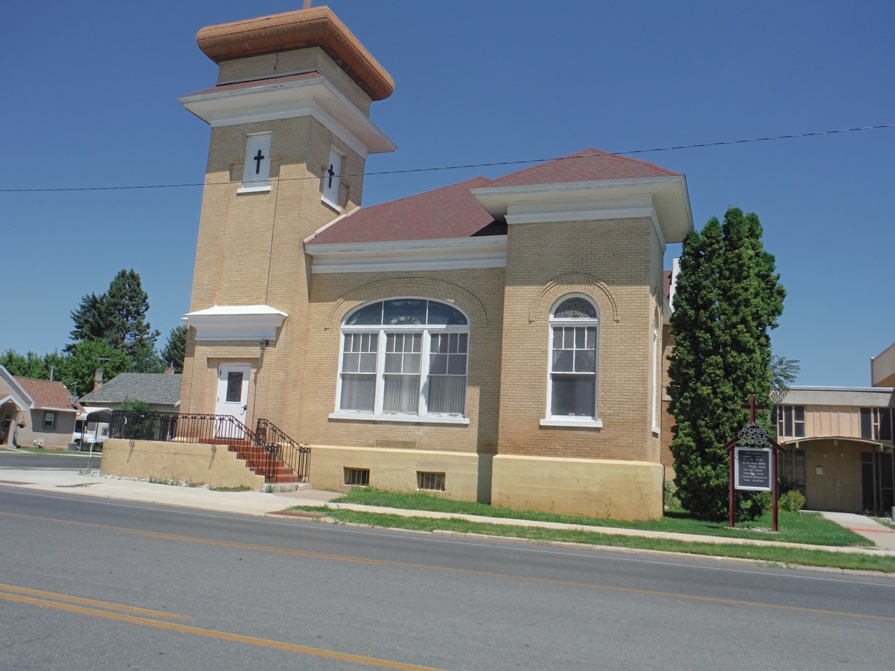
331 173
258 158
752 407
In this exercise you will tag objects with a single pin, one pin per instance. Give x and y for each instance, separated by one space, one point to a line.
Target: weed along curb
805 538
778 553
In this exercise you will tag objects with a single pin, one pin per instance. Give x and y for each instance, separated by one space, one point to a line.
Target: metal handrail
295 455
261 456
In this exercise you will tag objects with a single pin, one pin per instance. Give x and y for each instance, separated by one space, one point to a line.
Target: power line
405 171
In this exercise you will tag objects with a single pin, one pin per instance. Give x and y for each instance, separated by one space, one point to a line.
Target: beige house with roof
495 340
35 413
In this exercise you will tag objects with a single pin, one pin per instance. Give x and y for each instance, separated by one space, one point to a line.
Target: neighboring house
161 391
838 444
35 412
500 340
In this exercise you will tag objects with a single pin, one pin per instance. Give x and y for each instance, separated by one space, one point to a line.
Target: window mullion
380 371
423 407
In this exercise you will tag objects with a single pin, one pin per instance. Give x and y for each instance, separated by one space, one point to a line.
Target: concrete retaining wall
185 462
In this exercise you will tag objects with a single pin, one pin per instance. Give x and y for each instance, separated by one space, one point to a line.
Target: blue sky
91 100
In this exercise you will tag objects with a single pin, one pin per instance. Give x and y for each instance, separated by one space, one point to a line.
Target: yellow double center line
73 604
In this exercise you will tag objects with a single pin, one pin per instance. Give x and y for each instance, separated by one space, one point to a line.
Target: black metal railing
293 454
262 456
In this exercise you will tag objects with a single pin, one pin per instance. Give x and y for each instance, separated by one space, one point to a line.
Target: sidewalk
262 503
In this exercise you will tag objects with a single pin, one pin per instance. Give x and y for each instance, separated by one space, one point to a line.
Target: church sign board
752 463
752 468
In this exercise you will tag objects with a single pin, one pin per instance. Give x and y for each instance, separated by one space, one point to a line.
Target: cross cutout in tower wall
258 158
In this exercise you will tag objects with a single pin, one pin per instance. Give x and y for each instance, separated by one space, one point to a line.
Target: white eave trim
236 322
663 199
444 254
316 98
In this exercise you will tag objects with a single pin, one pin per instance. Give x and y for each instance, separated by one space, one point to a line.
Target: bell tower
290 135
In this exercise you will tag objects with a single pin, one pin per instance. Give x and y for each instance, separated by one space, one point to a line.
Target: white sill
412 419
333 205
573 422
253 189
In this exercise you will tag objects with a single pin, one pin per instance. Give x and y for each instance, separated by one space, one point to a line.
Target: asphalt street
62 460
89 583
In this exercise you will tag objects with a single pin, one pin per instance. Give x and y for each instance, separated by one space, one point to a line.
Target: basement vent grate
357 477
432 482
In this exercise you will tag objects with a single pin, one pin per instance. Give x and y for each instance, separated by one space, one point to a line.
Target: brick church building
495 340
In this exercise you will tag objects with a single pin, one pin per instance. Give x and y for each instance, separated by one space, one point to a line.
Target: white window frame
253 182
331 193
593 422
49 420
423 416
656 377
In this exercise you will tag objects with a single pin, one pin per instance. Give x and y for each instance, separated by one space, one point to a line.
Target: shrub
671 499
753 505
793 501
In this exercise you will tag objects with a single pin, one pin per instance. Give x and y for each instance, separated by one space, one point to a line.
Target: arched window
403 358
574 348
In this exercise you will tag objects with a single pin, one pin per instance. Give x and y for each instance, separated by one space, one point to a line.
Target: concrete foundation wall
630 490
190 462
467 476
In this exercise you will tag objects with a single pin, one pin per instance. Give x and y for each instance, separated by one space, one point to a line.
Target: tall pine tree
175 348
727 299
128 304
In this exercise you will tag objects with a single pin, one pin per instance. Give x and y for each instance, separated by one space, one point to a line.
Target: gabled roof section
590 165
47 394
157 388
449 212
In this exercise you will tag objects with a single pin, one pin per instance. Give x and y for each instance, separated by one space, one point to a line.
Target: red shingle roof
448 212
47 394
453 212
589 165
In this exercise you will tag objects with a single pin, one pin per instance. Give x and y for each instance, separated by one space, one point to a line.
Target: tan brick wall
314 58
610 261
478 292
250 251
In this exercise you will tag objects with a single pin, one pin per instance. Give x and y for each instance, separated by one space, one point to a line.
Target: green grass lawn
807 528
773 555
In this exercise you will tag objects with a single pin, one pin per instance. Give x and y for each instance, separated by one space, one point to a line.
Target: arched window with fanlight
574 357
404 359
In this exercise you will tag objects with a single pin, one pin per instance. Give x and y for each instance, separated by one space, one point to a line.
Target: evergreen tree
727 299
92 320
128 304
175 348
118 317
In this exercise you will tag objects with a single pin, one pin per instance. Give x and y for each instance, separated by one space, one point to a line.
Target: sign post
752 464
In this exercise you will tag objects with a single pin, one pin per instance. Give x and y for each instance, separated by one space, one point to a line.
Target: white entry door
233 392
